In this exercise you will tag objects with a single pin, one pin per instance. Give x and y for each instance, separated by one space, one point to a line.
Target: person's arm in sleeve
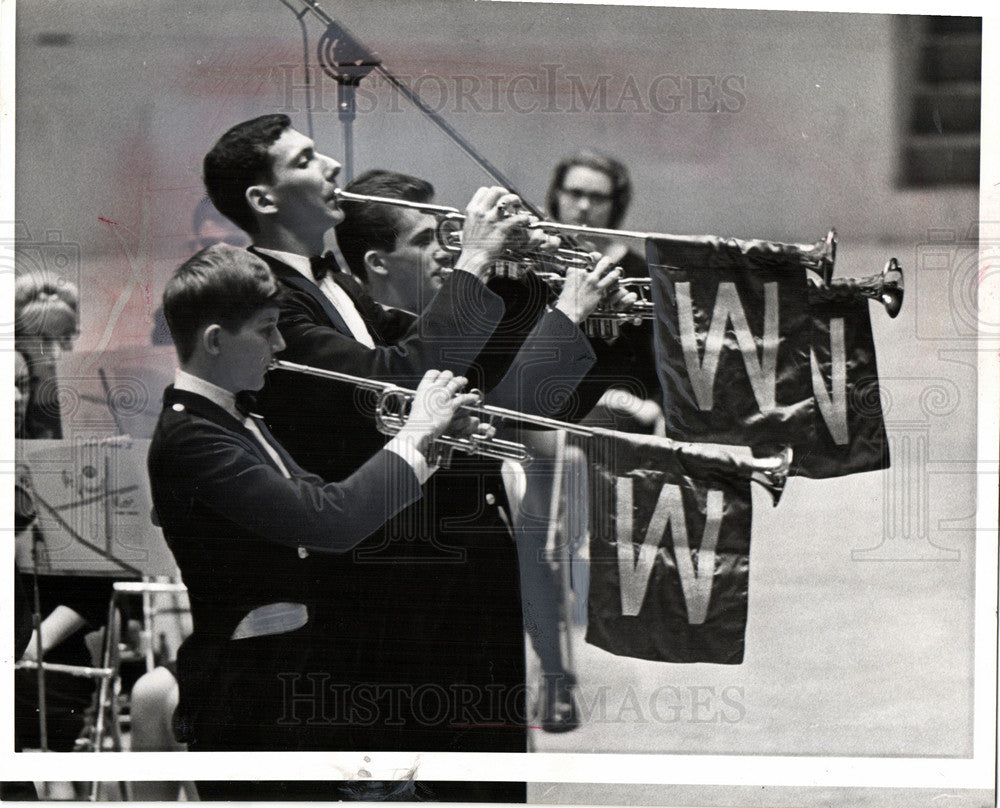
215 468
447 336
456 324
556 355
61 623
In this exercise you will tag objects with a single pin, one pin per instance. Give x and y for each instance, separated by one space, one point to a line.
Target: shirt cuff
408 450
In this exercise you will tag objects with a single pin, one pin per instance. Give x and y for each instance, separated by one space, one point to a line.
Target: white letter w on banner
833 404
633 573
762 372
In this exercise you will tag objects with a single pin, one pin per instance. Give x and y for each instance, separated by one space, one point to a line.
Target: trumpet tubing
605 321
425 207
886 287
393 408
449 232
391 414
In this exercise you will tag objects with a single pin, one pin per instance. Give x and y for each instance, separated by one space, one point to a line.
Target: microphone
347 61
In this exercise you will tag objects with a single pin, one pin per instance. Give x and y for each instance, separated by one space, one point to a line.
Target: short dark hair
621 185
238 160
371 226
219 284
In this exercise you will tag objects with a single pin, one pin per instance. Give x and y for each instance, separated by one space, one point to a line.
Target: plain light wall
126 108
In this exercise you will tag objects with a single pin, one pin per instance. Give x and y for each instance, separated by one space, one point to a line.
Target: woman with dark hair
590 189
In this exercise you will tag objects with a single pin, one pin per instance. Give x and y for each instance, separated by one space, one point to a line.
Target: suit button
491 500
303 552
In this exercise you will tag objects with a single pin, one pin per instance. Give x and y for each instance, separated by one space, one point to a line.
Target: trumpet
607 322
886 288
603 322
449 232
819 257
393 404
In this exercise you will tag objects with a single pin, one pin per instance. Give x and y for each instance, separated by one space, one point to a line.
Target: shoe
556 706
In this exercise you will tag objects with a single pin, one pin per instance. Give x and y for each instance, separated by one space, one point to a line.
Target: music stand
93 514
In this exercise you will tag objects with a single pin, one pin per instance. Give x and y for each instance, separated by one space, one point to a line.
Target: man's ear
374 263
210 339
260 200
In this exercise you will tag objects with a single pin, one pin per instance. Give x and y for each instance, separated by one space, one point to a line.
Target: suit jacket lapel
289 276
366 306
210 411
290 463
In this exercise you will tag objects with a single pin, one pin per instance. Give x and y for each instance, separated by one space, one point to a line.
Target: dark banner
669 551
733 337
850 432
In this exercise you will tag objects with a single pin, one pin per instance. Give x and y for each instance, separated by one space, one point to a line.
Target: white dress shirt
331 290
400 445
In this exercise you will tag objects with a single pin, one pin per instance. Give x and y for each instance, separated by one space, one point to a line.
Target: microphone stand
347 61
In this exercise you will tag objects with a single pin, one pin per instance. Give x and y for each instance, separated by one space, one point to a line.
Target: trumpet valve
597 326
440 454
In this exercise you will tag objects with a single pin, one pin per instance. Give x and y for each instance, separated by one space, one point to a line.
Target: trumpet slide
392 406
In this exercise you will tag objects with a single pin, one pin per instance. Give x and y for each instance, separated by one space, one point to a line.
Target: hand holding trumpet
583 290
437 408
495 224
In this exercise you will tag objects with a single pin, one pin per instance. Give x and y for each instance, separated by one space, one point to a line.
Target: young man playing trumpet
426 616
537 355
394 250
244 521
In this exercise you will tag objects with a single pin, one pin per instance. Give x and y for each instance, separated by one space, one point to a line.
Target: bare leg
154 698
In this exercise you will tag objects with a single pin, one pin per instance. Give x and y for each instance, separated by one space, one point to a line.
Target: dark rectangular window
940 144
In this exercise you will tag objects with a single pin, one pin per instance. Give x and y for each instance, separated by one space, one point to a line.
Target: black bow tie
246 403
323 265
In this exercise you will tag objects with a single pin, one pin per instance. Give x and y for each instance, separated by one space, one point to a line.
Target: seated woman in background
72 608
46 321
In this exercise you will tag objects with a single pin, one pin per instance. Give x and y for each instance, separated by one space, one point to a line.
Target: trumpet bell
772 473
826 256
886 288
891 293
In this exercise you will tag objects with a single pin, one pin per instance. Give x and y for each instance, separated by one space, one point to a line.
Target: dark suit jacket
559 372
432 603
536 357
328 426
244 535
629 361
